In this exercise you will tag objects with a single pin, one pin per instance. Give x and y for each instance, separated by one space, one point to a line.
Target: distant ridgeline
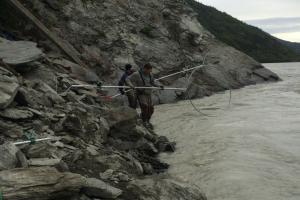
248 39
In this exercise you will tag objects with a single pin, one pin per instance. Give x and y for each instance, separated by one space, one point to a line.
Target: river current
248 150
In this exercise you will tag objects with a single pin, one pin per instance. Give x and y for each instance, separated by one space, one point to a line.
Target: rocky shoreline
99 148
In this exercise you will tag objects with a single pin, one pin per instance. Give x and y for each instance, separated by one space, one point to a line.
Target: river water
249 150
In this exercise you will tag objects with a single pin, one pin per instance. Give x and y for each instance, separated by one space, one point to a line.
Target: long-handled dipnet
164 77
124 87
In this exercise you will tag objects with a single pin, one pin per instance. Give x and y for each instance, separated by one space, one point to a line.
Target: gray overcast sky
253 11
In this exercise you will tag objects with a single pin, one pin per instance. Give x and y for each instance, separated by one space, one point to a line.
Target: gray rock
9 85
77 71
16 114
164 188
123 177
32 98
38 93
115 176
120 163
8 157
266 74
44 73
92 150
49 92
73 124
10 129
164 145
122 123
97 188
129 133
42 183
82 196
19 52
107 175
23 162
146 147
122 117
147 168
38 162
41 150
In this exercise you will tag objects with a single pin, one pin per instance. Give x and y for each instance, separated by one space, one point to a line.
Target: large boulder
97 188
9 85
41 183
124 117
122 122
19 52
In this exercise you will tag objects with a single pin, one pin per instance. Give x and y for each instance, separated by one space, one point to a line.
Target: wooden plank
65 46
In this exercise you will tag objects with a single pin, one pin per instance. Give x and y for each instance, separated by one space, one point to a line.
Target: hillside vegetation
248 39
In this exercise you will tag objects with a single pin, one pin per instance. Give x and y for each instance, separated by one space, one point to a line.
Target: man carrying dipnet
130 94
144 78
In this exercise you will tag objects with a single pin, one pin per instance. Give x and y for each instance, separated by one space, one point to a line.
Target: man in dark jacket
144 78
130 94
